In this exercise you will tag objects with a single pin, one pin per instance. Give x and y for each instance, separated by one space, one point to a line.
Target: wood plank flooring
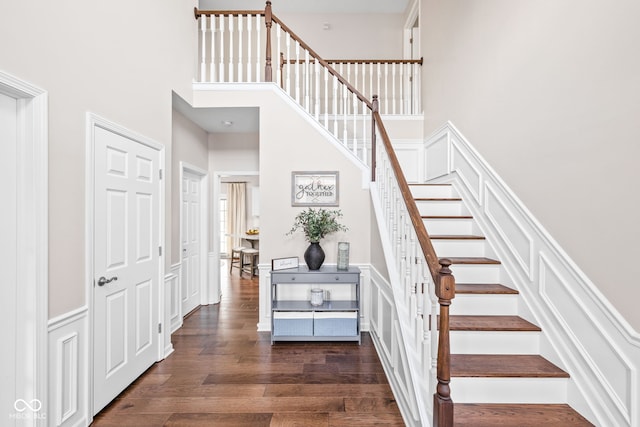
225 373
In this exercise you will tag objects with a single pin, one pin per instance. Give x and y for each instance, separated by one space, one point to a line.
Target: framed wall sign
314 188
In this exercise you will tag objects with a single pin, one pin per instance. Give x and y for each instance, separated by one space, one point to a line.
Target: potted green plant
316 224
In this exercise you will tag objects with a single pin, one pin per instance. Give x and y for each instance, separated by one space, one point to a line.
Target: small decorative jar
317 296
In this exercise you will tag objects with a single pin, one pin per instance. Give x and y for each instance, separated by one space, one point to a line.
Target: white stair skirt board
495 342
509 390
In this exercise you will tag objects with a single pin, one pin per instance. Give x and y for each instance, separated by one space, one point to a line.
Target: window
222 205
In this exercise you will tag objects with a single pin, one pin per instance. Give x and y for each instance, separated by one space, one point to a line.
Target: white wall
288 142
190 145
350 36
548 93
118 59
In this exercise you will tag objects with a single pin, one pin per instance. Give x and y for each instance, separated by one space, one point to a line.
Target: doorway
193 236
24 250
126 227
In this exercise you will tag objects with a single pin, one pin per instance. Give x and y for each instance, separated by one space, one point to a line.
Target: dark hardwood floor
225 373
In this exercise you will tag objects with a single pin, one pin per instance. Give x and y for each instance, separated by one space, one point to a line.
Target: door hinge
411 40
160 173
159 328
160 250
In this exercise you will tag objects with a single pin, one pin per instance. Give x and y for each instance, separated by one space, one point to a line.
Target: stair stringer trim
583 333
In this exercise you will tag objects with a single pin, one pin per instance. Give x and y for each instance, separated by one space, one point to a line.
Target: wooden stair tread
516 415
491 323
504 366
456 237
483 288
471 260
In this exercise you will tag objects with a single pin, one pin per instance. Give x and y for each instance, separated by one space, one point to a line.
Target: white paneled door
126 262
191 219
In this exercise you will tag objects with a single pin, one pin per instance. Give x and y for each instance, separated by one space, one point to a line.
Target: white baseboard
583 332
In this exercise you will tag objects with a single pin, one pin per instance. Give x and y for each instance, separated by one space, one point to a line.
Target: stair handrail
442 278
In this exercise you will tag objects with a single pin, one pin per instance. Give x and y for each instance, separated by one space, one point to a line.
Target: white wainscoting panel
173 295
582 332
68 369
387 338
411 157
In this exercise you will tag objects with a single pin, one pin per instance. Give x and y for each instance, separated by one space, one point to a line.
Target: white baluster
212 49
258 47
278 51
317 90
249 48
345 138
221 64
393 87
335 106
386 88
297 72
378 76
326 97
354 122
203 42
371 68
365 155
307 76
240 31
287 64
231 52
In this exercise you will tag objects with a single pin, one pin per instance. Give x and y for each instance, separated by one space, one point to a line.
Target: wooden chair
249 259
236 258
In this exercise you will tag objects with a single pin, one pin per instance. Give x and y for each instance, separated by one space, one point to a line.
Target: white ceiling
310 6
219 120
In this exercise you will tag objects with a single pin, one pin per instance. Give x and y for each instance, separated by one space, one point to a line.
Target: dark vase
314 256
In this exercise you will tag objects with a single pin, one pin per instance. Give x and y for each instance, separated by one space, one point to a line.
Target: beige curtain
237 213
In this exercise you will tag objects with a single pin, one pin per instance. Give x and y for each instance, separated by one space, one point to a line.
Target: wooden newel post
374 109
268 22
442 403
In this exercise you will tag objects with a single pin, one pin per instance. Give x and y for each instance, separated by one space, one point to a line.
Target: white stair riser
483 273
432 191
494 342
485 305
460 248
441 208
509 390
449 226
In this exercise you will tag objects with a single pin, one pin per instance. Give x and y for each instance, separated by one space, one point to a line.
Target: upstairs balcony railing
336 92
231 43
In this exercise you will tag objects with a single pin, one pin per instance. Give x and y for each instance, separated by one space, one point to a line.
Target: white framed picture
314 188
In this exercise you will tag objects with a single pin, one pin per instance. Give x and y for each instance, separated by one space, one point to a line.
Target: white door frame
215 275
94 121
33 244
205 291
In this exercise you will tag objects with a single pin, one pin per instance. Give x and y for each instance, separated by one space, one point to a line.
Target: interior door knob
103 280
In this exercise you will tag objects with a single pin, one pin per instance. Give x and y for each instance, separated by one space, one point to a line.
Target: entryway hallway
225 373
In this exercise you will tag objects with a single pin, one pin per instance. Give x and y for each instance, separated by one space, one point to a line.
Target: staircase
498 377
